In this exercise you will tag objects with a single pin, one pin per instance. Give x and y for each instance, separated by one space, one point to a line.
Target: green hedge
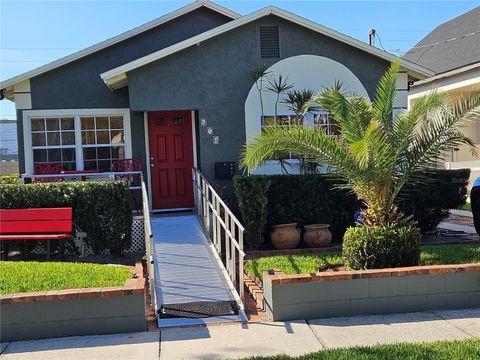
308 199
265 200
430 202
102 209
9 179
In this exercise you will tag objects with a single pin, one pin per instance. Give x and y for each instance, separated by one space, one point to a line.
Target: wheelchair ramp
190 282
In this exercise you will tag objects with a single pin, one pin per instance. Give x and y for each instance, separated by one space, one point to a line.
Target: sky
33 33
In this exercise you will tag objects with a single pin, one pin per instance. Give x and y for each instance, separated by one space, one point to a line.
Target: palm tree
278 86
377 151
258 76
298 101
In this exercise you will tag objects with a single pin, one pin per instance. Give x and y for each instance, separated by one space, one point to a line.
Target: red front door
171 159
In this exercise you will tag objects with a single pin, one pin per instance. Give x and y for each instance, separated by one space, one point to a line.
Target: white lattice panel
138 241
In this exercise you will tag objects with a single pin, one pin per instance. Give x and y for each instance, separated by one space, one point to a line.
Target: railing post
241 285
219 236
227 240
233 250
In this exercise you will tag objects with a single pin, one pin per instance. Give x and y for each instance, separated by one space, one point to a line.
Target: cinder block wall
94 316
290 300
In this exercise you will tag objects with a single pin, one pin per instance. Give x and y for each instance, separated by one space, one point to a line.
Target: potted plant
317 235
285 236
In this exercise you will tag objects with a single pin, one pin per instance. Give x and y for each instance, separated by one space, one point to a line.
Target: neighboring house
177 93
452 51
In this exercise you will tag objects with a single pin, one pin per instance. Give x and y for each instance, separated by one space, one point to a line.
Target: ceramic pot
285 236
317 235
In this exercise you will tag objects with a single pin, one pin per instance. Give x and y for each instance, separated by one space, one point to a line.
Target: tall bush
101 209
430 202
266 200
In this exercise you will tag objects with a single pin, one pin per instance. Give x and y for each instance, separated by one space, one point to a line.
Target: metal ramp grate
188 272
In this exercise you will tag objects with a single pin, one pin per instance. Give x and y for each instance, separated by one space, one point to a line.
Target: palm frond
385 94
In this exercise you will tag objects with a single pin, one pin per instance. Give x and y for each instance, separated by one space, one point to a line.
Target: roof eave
416 70
9 83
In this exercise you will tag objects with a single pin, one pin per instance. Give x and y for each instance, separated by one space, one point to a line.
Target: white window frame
76 114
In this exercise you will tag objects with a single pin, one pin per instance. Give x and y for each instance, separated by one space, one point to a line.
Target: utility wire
447 40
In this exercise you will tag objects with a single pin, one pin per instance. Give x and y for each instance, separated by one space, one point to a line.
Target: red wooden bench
36 224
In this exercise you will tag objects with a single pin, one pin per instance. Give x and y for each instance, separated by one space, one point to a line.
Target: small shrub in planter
377 247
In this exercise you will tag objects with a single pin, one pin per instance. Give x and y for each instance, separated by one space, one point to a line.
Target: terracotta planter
285 236
317 235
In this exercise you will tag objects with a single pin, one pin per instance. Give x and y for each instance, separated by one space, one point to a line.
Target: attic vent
269 42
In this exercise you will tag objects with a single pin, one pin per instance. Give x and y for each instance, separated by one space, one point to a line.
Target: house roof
116 39
117 77
451 45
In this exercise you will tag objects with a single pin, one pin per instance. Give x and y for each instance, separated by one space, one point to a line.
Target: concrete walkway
236 341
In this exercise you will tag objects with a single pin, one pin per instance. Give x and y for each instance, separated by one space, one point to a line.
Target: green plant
253 207
311 263
298 101
373 155
31 276
430 202
9 179
439 350
307 199
378 247
278 86
101 209
258 75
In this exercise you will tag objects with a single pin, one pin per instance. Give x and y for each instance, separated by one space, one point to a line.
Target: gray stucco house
176 93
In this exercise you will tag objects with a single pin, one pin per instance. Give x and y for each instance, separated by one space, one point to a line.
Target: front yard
311 263
441 350
22 276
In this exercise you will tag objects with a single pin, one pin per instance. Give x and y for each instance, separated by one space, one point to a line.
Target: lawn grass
30 276
305 264
440 350
467 207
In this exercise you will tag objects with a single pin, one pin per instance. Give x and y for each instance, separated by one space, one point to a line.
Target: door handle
151 165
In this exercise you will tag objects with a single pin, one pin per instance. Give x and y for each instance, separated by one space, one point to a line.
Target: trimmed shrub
101 209
266 200
253 205
9 179
429 203
306 199
377 247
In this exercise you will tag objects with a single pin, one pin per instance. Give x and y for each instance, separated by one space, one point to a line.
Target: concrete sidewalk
235 341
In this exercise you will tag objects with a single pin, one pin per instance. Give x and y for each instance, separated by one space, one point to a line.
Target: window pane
54 155
87 123
103 153
283 120
160 121
116 122
67 123
53 124
53 138
90 165
88 137
69 166
38 139
268 121
178 120
116 137
90 153
103 137
104 165
102 122
39 156
68 138
38 124
68 155
118 152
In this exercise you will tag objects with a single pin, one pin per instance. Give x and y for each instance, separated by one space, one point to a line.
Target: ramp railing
225 230
147 225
